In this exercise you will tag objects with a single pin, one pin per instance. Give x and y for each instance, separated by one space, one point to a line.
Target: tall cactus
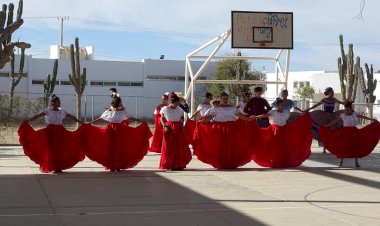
14 81
49 83
369 89
77 79
348 75
7 27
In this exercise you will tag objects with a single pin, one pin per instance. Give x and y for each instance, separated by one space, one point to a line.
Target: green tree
232 69
305 92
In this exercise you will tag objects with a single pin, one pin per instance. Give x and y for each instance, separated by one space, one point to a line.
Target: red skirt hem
53 147
175 151
224 145
351 142
283 146
117 146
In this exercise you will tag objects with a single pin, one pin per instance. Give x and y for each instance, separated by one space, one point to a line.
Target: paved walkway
318 193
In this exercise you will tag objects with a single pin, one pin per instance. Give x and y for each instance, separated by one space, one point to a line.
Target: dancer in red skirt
203 107
349 141
158 129
225 143
243 103
117 146
282 145
326 115
175 151
54 148
197 116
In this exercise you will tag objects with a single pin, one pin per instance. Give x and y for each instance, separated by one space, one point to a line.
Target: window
308 84
137 83
6 74
165 78
65 83
96 83
37 82
295 85
109 83
301 84
124 83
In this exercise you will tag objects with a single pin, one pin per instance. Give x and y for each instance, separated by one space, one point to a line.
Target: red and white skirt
157 135
175 151
283 146
224 145
351 142
117 146
53 147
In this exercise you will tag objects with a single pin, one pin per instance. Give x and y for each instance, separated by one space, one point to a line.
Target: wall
140 93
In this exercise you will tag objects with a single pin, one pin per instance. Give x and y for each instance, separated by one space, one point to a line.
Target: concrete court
318 193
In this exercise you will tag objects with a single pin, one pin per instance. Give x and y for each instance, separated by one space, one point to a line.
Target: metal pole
85 108
287 68
192 97
238 77
61 31
137 105
62 19
92 107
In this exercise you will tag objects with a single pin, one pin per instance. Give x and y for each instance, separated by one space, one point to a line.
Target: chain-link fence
25 105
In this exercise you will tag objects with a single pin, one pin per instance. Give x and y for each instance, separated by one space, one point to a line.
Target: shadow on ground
105 198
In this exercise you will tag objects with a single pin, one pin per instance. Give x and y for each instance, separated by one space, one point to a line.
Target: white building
320 80
140 84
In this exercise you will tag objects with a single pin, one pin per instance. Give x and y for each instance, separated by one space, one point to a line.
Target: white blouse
241 107
172 115
54 117
115 116
278 118
202 108
223 114
350 120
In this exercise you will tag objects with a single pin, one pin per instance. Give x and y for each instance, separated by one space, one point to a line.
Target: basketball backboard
262 30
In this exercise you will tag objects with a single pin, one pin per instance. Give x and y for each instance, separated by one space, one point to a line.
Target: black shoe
58 171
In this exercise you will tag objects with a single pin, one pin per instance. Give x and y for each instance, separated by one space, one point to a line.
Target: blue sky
138 29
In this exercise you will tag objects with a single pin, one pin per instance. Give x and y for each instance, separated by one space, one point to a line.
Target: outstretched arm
338 101
70 116
365 117
95 120
207 118
333 122
262 116
314 106
35 117
195 114
243 117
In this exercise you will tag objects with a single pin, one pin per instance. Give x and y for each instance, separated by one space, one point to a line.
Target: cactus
14 81
348 74
369 89
77 79
7 27
49 83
